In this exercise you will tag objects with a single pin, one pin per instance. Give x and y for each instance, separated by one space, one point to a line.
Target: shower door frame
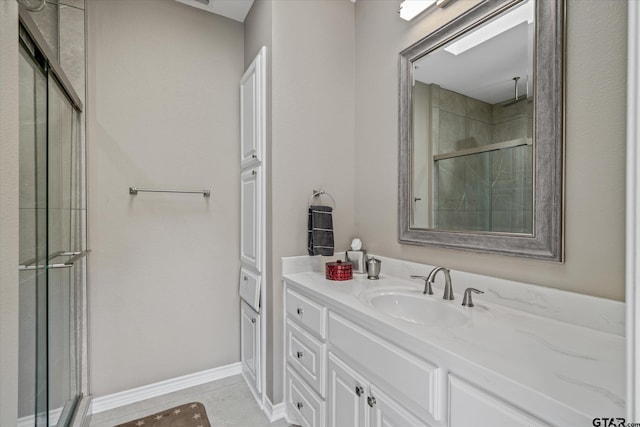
55 71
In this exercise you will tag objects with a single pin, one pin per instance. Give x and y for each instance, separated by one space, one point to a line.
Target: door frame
633 214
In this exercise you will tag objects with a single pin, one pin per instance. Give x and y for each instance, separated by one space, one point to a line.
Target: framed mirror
481 132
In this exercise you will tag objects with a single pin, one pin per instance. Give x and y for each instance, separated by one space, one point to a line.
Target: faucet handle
427 284
467 301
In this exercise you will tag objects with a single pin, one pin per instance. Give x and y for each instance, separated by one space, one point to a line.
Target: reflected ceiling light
516 16
409 9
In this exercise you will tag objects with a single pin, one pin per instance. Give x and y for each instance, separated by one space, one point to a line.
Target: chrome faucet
467 301
448 290
427 284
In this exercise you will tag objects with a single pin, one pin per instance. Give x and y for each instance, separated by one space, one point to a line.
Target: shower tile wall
489 191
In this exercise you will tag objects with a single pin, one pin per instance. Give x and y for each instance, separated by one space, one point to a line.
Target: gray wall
163 112
313 132
9 156
595 148
310 142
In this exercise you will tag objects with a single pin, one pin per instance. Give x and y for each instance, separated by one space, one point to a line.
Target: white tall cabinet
252 223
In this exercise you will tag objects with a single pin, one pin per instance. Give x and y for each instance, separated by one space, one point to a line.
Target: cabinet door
250 345
387 413
250 219
252 111
347 395
470 405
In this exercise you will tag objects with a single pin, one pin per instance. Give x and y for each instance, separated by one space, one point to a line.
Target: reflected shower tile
27 248
478 133
47 22
450 184
504 200
27 344
72 47
501 221
502 113
479 110
477 182
452 102
451 132
510 130
435 130
73 3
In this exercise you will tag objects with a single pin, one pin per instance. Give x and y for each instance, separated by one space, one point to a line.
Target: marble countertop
577 366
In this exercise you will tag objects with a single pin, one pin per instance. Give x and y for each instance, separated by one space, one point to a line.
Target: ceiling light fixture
409 9
516 16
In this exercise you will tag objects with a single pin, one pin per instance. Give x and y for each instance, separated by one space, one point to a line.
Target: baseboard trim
30 420
116 400
273 412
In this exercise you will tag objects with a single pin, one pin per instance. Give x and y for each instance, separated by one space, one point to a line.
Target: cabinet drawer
307 356
470 405
250 288
303 405
412 381
307 312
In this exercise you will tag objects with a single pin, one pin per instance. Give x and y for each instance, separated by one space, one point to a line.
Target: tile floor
228 402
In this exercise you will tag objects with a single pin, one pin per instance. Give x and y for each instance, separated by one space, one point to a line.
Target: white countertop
579 367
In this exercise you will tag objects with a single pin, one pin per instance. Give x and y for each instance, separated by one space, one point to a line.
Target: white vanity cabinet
351 364
250 345
472 406
353 401
252 93
250 219
306 357
322 389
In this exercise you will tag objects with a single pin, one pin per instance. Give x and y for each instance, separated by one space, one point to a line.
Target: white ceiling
485 71
234 9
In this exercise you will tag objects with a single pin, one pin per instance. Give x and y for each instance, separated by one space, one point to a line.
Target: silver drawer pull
253 320
371 401
299 311
299 405
299 354
359 390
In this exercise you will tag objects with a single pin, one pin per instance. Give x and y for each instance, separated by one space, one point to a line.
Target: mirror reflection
472 129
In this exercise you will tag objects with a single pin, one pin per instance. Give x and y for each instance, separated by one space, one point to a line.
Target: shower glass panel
32 372
63 381
50 236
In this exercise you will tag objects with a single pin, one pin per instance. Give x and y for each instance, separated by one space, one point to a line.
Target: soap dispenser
357 256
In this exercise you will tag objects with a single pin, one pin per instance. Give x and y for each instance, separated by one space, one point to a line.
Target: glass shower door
33 332
50 241
63 245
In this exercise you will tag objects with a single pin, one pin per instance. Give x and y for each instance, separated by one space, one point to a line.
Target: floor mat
188 415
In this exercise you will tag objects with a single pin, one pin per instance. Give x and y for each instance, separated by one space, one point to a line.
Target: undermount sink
415 307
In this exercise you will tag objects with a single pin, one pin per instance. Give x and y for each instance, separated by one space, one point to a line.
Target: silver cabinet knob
359 390
246 278
299 405
253 156
299 311
371 401
299 354
253 320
